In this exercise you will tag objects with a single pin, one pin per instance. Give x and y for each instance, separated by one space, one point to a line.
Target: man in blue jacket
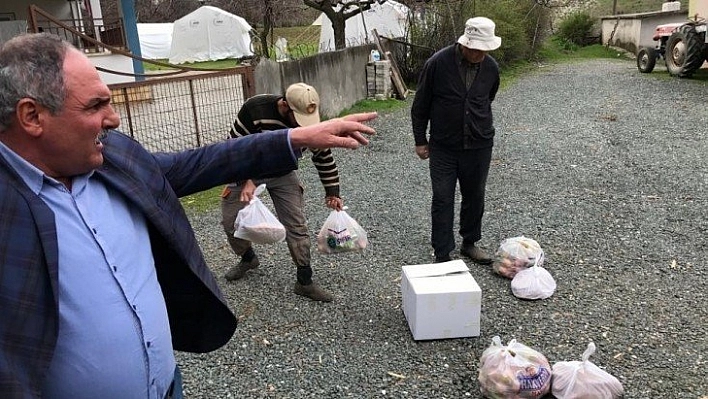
455 94
101 277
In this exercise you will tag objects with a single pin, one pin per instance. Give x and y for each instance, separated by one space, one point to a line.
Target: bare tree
267 31
339 11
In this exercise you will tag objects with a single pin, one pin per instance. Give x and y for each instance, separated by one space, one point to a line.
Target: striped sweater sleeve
327 170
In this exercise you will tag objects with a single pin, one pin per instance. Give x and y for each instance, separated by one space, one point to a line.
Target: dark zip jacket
459 118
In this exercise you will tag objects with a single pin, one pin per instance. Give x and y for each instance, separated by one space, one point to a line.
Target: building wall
699 7
59 8
623 33
633 31
62 9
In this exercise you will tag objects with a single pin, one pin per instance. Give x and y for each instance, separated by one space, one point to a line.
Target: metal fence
177 113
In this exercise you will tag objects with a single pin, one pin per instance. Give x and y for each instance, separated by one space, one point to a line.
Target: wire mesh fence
178 113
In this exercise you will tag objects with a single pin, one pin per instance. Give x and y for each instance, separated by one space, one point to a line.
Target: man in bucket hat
298 107
455 92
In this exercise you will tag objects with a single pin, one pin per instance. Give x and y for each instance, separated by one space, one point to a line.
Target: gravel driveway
603 166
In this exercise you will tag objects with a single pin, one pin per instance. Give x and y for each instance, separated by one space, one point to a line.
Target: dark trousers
448 167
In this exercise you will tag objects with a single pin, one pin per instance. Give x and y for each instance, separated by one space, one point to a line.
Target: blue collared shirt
114 337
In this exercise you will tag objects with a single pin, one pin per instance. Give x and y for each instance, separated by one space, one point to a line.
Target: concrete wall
623 33
632 31
338 76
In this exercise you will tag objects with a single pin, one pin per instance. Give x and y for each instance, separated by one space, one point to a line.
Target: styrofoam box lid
429 278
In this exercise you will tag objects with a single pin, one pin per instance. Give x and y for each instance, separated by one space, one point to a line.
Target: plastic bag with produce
514 371
257 224
341 233
533 283
584 380
515 254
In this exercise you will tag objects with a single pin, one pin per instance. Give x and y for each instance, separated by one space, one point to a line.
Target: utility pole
614 7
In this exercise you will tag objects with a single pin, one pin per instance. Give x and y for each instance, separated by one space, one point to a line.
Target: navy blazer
200 319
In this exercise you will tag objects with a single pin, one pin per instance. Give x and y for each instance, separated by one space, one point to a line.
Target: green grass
381 106
509 74
203 201
299 35
555 50
303 41
660 72
219 64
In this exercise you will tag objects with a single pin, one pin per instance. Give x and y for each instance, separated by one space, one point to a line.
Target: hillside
604 7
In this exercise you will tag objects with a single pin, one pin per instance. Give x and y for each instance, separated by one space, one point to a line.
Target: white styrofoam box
671 6
441 300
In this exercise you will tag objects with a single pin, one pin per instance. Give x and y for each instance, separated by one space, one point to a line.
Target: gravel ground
603 166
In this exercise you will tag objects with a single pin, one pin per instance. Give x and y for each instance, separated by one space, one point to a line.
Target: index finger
361 116
354 134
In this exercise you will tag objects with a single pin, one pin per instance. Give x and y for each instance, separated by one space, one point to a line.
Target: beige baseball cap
305 103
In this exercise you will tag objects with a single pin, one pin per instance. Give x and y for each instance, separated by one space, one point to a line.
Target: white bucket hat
479 35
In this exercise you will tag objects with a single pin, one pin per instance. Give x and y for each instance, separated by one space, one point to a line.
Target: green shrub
520 23
518 26
577 29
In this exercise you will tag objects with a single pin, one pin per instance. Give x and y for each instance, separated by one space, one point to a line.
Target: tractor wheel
646 59
684 51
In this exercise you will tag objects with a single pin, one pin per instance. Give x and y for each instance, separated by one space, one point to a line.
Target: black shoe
477 254
441 259
237 272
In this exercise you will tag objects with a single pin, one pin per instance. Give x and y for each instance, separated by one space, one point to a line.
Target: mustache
103 134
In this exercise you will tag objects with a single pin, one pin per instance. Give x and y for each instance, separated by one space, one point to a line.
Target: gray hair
31 66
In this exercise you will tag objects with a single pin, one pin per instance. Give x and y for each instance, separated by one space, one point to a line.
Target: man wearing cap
455 92
298 107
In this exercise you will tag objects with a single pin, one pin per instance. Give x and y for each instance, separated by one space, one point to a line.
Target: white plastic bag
533 283
584 380
513 372
341 233
515 254
257 224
